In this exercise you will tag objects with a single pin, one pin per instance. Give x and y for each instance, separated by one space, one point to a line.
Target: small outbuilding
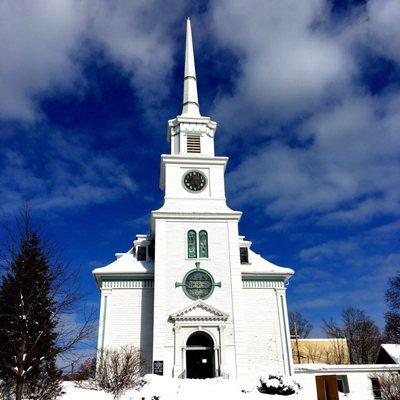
388 354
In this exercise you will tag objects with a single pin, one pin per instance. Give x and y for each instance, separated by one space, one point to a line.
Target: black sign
158 367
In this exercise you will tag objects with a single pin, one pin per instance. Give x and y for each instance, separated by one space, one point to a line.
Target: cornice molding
263 284
127 284
210 313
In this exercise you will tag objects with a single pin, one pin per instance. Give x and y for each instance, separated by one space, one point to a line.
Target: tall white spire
190 99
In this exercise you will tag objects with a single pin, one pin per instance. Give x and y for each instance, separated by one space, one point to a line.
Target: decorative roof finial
190 99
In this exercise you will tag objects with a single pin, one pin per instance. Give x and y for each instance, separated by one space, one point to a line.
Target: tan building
320 351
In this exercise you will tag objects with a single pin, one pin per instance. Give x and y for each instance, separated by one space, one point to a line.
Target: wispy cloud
61 173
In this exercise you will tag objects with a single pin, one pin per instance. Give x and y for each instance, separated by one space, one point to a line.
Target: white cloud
381 27
349 172
68 175
297 72
37 49
289 64
329 250
44 45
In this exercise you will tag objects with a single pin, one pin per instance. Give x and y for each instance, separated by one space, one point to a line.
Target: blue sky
307 97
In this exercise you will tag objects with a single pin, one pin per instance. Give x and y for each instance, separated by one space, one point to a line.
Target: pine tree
28 321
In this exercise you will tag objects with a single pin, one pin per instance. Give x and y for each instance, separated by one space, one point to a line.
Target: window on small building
192 244
342 383
141 253
193 144
244 255
376 388
203 244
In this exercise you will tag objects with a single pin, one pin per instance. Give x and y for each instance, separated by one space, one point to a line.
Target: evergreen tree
28 322
392 317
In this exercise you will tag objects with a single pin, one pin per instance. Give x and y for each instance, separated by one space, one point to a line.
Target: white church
191 294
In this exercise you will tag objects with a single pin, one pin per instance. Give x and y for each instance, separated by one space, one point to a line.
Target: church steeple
190 98
190 133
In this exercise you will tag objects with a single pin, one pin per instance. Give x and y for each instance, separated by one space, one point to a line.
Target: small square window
141 253
342 383
244 255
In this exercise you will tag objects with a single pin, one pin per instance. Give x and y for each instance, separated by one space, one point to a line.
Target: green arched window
203 244
192 244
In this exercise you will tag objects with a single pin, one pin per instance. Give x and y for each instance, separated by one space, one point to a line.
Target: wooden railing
182 375
223 375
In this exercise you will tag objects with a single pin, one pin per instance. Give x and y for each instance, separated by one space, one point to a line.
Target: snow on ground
181 389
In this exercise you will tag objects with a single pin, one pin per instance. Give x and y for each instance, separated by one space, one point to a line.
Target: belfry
191 294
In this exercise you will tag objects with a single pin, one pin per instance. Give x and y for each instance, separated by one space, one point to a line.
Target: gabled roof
260 266
392 350
199 311
125 264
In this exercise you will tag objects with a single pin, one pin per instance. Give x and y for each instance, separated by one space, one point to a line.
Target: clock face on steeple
194 181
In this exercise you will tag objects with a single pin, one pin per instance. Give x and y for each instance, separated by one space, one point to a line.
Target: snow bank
180 389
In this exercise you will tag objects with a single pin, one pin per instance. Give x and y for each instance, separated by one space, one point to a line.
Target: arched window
203 244
192 244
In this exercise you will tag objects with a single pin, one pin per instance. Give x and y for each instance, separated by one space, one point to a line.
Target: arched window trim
203 253
191 247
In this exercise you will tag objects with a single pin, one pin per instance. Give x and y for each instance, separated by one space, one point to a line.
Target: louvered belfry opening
193 144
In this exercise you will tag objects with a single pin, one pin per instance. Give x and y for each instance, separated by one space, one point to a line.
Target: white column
287 333
222 331
216 361
284 332
184 360
177 351
241 368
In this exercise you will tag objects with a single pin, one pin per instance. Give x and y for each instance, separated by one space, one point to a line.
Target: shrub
389 385
119 370
278 384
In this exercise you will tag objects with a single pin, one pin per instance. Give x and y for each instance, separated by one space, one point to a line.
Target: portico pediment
199 311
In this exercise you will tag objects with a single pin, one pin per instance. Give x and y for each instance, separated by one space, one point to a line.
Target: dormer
141 247
244 250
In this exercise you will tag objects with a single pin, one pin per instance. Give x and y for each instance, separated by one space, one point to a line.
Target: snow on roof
126 263
393 350
259 265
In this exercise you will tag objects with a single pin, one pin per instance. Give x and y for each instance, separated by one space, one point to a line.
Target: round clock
194 181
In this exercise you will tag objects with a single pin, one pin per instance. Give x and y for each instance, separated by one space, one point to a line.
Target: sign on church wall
158 367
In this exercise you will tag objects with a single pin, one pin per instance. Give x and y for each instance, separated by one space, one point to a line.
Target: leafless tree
339 354
313 352
362 334
392 317
299 327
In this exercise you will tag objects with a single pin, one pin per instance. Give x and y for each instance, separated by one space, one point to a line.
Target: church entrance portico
199 337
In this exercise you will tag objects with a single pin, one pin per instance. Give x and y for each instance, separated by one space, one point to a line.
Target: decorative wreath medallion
198 283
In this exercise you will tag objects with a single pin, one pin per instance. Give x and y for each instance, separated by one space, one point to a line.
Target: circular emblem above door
198 283
194 181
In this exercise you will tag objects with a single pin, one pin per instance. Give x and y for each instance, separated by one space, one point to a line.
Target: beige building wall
320 351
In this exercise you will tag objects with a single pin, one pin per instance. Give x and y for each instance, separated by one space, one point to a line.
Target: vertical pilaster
284 331
237 304
160 294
